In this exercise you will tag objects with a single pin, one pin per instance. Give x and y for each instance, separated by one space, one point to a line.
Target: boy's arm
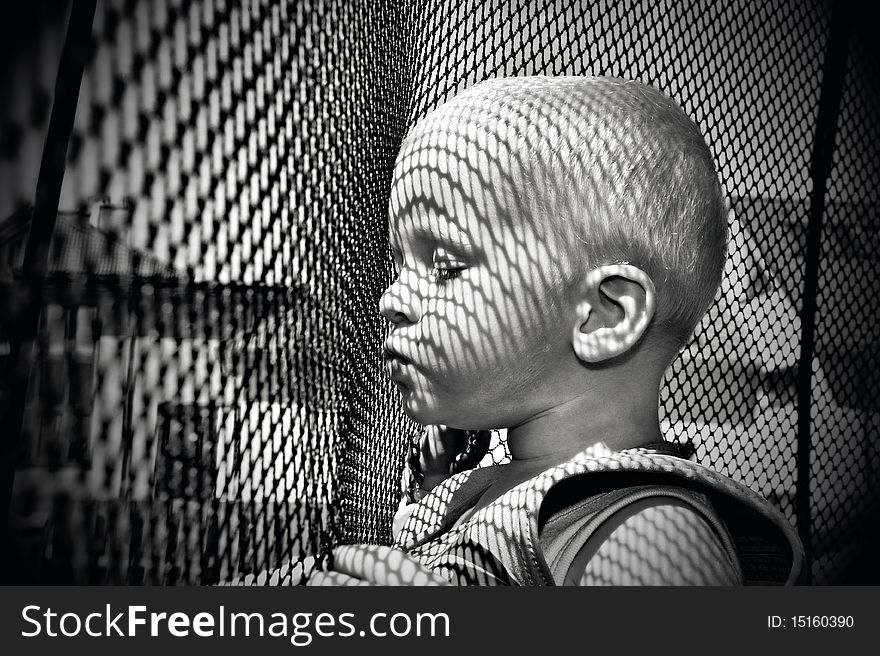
374 565
658 545
360 564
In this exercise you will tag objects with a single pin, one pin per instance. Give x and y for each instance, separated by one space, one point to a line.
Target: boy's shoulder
652 542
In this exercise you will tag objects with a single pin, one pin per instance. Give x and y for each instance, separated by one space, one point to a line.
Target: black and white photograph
439 293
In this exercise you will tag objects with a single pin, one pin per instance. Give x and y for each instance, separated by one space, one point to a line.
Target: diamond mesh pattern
207 399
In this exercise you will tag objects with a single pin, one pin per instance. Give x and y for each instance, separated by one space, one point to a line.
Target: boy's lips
397 348
398 368
394 356
396 362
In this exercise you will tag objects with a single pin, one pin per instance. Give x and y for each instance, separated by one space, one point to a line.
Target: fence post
833 74
23 326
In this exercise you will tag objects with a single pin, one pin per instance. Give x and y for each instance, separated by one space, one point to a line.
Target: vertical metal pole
23 328
833 73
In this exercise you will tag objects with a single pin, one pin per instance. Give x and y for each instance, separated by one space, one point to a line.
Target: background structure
193 359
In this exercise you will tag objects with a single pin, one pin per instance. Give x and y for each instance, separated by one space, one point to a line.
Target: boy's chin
421 410
429 414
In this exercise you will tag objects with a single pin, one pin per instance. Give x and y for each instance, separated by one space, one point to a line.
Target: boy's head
545 230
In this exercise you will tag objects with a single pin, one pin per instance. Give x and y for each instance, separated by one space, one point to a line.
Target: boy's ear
615 305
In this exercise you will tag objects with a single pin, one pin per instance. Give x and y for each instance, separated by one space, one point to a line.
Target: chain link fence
205 395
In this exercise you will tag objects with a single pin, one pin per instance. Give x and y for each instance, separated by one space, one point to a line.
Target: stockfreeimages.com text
299 628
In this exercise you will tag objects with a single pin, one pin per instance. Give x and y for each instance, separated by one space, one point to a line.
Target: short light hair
616 169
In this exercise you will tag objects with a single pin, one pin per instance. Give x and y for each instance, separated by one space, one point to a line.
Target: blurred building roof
78 247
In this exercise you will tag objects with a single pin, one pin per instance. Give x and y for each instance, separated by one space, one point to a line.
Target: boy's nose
400 302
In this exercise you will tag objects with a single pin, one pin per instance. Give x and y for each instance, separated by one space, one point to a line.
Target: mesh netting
206 396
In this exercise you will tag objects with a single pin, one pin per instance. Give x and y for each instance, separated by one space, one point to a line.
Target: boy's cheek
480 328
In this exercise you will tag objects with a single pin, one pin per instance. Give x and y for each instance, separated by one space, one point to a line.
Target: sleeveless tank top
529 535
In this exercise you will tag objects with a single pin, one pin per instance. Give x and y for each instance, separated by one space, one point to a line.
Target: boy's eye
443 273
446 266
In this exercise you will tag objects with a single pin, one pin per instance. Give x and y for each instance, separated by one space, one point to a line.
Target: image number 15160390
810 622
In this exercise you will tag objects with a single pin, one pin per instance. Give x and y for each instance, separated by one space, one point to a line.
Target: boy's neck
620 418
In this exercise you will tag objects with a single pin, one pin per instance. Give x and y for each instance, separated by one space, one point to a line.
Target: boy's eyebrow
448 233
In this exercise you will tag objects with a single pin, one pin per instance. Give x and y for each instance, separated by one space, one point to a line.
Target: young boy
557 240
